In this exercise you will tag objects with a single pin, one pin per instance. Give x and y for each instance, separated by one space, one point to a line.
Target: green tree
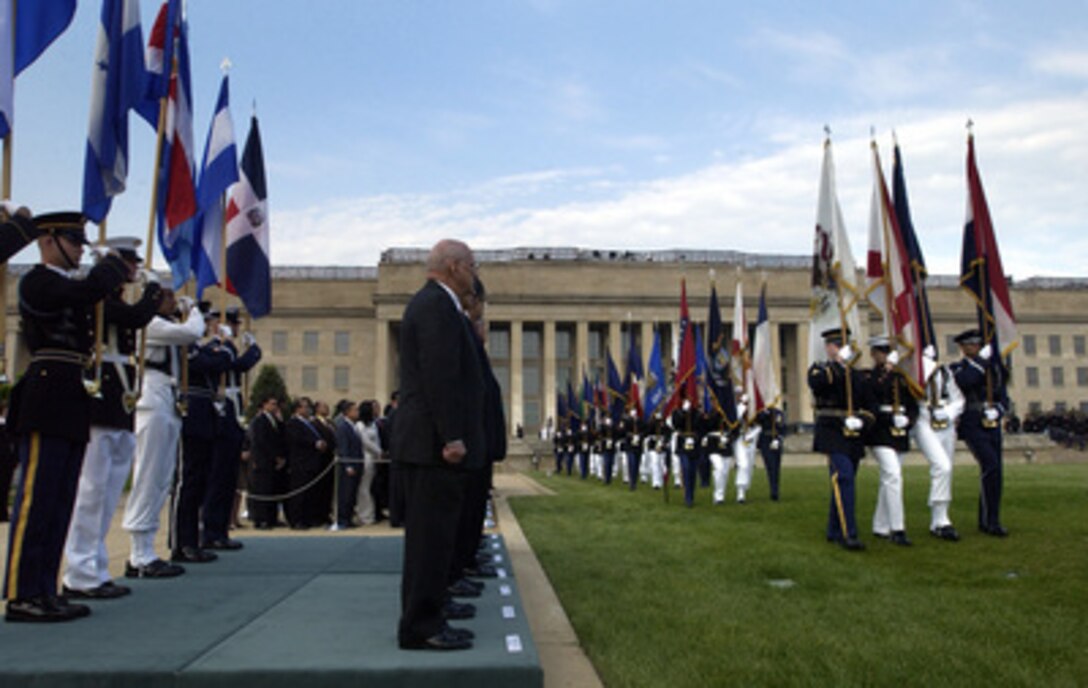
269 381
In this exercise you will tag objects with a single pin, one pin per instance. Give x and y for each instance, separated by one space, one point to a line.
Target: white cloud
1069 63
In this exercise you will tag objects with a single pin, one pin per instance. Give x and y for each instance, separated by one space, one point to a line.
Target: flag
834 275
572 404
891 282
685 370
656 384
587 397
719 383
36 26
116 87
914 253
7 70
701 374
218 170
739 356
560 409
981 274
249 267
633 377
159 60
764 379
617 392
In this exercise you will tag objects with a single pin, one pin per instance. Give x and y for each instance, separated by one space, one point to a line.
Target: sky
614 124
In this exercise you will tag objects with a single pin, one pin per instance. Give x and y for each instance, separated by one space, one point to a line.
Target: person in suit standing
267 462
439 434
349 452
306 447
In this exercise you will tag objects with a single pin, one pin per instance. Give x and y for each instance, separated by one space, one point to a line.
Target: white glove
929 366
845 353
775 444
893 358
991 413
940 413
986 352
900 421
687 404
752 435
741 409
853 423
248 339
185 303
225 332
930 352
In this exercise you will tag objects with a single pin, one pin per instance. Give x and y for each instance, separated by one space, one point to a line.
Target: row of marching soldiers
82 419
690 445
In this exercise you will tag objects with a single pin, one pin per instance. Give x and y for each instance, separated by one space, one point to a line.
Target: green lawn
661 595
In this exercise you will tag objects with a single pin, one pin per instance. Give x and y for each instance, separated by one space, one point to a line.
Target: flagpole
982 289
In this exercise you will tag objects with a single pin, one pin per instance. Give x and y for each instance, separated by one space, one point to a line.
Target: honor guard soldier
229 436
17 229
559 443
685 421
895 411
204 409
981 377
570 446
841 416
935 434
112 446
631 446
585 445
607 443
744 445
657 438
50 413
719 448
772 430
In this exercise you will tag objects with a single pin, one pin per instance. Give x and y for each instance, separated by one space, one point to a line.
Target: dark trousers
222 484
471 524
609 460
985 445
558 462
704 469
772 461
43 510
634 458
583 464
303 507
190 491
9 459
433 495
568 461
347 490
841 512
689 463
386 493
263 482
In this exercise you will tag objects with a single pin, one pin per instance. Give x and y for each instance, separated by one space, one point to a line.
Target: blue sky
608 124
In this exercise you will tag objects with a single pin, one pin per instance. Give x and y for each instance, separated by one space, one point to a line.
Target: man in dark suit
267 461
349 450
438 436
305 450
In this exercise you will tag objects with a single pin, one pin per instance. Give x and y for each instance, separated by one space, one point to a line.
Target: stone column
581 352
382 360
517 381
549 388
799 370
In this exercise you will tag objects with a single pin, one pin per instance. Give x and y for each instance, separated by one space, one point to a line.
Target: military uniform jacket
206 363
970 375
827 380
719 436
57 314
229 425
772 423
890 395
627 434
687 427
657 432
121 322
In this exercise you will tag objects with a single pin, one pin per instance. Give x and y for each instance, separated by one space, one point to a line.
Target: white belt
117 358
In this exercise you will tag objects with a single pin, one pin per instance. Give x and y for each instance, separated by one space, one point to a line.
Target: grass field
661 595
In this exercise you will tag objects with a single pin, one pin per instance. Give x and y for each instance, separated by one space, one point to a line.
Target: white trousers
364 502
721 466
938 446
742 452
106 464
675 463
888 515
158 429
595 465
656 461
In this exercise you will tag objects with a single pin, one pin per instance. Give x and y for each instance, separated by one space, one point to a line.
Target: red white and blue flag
249 266
219 169
981 273
685 370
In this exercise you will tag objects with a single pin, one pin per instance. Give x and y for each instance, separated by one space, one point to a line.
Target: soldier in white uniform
935 434
158 428
744 446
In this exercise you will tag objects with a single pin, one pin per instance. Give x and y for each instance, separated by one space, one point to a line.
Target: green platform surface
313 611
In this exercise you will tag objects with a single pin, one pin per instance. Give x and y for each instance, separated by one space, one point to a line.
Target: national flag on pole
116 87
560 409
656 384
739 355
891 283
36 25
617 392
249 267
764 379
159 60
633 376
219 169
835 292
701 372
587 397
719 381
981 274
572 403
685 369
914 253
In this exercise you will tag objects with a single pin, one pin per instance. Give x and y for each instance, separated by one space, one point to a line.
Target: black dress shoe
156 569
479 585
224 544
263 525
996 531
42 610
899 537
882 536
443 640
462 633
76 610
482 571
462 588
945 533
459 610
853 544
193 555
107 591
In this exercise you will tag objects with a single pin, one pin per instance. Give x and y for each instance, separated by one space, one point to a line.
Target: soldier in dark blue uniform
982 378
50 412
17 229
687 424
839 424
772 425
207 362
585 445
229 437
606 442
630 445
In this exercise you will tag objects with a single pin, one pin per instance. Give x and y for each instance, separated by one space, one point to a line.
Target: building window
1029 345
341 378
1082 377
1035 407
283 375
1057 376
1084 407
1032 374
342 343
498 341
564 357
1078 344
1059 407
309 378
279 342
309 342
1055 345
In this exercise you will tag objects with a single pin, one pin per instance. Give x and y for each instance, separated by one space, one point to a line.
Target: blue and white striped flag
218 170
